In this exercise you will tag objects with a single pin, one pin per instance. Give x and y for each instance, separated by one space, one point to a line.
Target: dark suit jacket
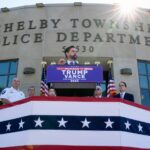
127 96
1 103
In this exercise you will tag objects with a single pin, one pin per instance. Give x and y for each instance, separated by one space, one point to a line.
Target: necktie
71 63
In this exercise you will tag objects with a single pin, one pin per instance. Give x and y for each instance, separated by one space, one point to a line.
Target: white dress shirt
69 62
122 94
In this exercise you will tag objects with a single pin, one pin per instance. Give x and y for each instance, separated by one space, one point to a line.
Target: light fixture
97 62
86 62
40 5
43 63
5 9
77 3
109 62
53 63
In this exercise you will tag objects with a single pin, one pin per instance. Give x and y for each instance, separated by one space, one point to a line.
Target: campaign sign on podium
79 73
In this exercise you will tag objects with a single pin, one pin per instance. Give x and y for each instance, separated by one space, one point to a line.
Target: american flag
111 88
44 86
62 123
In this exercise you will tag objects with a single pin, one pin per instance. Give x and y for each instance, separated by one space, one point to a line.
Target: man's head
15 83
31 91
71 53
52 92
122 86
98 91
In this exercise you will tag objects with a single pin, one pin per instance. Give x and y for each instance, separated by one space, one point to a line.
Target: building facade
30 35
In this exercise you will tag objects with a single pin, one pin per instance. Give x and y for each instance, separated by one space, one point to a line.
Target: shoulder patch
3 92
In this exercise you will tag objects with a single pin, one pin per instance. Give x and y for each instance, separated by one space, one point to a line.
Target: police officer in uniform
12 94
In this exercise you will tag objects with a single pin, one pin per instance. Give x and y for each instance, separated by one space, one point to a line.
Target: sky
17 3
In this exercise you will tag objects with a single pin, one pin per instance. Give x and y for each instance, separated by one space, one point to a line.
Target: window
144 80
8 70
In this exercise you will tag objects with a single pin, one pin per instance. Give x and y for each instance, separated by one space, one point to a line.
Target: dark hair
68 49
124 83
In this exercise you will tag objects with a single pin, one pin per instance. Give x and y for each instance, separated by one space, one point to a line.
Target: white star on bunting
62 122
21 123
109 123
38 122
127 124
85 123
8 126
140 128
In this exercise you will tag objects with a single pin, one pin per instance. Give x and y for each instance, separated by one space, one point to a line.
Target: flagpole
97 63
44 63
111 88
109 62
44 86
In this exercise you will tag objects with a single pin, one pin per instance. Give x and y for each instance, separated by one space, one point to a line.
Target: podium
73 123
76 80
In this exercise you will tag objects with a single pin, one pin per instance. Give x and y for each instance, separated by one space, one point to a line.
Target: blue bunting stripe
63 122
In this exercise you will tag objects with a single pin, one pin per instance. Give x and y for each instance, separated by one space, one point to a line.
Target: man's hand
4 101
1 103
61 61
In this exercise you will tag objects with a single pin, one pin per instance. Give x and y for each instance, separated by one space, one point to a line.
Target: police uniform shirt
12 94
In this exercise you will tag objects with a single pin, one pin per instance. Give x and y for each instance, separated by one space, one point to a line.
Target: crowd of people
13 93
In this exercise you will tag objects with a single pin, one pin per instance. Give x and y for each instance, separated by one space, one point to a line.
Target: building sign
80 73
17 32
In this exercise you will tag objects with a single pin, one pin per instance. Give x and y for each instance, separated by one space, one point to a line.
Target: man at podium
74 79
71 56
